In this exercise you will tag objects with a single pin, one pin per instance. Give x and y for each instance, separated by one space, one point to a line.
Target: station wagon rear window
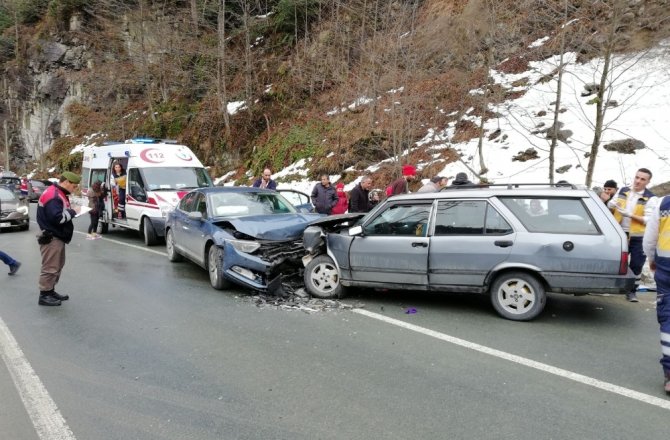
552 215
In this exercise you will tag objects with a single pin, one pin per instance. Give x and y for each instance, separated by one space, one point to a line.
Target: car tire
172 253
150 238
518 296
322 278
215 268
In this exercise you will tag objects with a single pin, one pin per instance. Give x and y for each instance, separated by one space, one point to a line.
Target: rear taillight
623 265
152 201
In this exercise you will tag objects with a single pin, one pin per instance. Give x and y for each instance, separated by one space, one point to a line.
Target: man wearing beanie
54 217
401 184
462 180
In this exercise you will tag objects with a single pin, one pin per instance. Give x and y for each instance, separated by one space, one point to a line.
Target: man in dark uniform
54 217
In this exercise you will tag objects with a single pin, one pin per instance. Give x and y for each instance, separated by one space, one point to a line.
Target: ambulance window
84 177
98 175
136 185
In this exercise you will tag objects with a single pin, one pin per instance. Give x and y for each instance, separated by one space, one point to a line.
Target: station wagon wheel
172 253
322 279
518 296
215 268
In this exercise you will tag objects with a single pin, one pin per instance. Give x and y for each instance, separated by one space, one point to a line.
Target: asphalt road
146 349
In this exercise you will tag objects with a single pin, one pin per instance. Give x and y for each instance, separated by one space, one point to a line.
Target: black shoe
60 297
631 297
14 268
48 300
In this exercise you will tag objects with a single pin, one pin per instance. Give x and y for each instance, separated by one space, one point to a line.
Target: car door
300 201
469 239
181 222
393 248
193 228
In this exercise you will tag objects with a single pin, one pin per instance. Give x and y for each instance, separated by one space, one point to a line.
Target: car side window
460 217
200 204
401 219
496 223
552 215
187 202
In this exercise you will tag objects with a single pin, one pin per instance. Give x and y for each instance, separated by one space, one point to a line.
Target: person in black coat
324 197
359 197
265 181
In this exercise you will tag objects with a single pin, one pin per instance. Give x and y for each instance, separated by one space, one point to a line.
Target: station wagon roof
524 190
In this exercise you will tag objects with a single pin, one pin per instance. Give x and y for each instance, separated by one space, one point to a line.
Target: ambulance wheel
215 268
150 238
172 253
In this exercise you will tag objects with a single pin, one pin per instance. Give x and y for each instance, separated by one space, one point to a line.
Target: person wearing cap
435 184
462 180
609 190
342 202
54 217
401 184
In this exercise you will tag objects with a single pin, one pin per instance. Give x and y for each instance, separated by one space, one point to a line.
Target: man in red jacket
401 184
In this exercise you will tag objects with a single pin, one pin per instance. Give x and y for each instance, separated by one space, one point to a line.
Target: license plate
5 225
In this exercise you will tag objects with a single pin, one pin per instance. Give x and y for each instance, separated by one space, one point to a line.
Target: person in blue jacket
265 181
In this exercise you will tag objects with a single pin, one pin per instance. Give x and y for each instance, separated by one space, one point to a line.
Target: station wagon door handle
419 244
503 243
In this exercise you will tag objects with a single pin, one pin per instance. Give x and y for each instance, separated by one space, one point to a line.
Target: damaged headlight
245 245
22 210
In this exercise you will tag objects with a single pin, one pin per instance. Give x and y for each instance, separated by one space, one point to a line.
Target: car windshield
173 178
233 204
6 195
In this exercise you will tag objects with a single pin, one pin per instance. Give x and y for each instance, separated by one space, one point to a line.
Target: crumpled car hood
273 227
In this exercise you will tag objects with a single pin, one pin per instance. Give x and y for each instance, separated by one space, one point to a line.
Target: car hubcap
516 296
324 277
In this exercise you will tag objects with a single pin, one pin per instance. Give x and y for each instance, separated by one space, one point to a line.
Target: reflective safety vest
636 227
663 243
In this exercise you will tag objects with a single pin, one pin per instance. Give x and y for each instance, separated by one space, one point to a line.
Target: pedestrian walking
359 197
401 184
9 261
265 181
434 185
54 217
656 246
324 197
632 208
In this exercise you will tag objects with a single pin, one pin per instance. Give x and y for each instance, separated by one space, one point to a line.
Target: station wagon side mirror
195 215
356 231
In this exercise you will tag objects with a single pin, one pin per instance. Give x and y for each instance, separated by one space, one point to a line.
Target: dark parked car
36 188
13 211
13 183
248 236
514 243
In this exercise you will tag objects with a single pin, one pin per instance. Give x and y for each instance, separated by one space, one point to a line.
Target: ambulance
158 174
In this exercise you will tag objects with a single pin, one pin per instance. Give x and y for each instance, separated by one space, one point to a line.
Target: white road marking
134 246
47 419
586 380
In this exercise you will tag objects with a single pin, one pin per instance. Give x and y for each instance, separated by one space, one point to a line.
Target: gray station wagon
514 242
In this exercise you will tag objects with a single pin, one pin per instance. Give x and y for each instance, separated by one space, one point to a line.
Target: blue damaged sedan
247 236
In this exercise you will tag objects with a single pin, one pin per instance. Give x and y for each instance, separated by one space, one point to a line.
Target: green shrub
292 17
300 142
